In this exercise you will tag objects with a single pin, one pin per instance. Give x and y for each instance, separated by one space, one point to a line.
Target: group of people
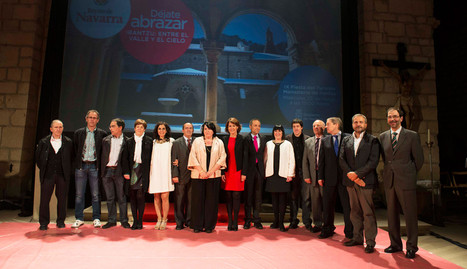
302 171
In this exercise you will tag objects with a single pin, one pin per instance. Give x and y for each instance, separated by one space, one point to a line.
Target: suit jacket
364 163
328 167
180 152
241 157
309 161
123 166
252 155
402 163
79 137
146 153
42 156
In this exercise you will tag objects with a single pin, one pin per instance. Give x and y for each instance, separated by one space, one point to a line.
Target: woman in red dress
235 174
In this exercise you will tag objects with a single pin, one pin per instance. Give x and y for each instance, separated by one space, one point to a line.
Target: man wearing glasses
87 143
403 157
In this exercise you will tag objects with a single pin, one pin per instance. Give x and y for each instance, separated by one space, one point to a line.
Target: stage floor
23 246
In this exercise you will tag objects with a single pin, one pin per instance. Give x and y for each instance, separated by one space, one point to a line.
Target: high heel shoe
158 225
163 224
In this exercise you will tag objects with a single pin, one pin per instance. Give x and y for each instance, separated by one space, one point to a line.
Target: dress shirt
138 147
356 142
257 139
398 131
115 146
56 143
89 149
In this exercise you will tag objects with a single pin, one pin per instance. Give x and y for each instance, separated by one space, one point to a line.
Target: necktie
336 144
394 140
255 142
189 144
316 152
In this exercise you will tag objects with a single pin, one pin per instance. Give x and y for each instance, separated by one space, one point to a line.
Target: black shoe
140 226
308 226
134 226
125 225
324 234
315 229
60 225
352 243
43 227
293 225
282 228
392 249
369 249
247 225
208 231
258 226
196 231
274 226
108 225
235 228
229 228
410 254
179 227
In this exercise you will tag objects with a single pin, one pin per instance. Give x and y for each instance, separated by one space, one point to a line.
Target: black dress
276 183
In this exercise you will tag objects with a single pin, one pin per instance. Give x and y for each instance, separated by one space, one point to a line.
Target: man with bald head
53 157
312 192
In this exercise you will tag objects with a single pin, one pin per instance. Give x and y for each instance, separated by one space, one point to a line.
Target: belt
111 167
89 162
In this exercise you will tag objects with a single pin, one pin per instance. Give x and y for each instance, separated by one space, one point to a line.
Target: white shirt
257 139
398 131
138 148
356 141
186 140
115 146
56 143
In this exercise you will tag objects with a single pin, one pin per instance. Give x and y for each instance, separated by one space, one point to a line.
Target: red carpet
23 246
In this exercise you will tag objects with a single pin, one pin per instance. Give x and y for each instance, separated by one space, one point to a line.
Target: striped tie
394 140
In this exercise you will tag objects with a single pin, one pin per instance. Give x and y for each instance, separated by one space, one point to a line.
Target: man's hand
321 182
175 179
307 180
126 176
352 176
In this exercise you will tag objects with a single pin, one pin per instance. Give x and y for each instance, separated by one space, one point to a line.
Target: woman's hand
175 163
243 178
223 178
289 179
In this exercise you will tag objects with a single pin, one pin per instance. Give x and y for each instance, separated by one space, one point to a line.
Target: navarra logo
100 18
158 32
101 2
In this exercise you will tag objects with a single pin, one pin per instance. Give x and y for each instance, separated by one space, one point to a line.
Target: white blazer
286 161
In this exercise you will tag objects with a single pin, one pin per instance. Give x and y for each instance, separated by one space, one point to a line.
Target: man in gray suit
358 159
312 192
181 176
403 157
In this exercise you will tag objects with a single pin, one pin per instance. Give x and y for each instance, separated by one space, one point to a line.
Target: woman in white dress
160 177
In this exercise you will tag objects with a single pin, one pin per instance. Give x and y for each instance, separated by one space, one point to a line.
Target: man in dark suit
330 177
255 145
114 171
181 176
358 159
297 138
312 192
87 142
53 157
403 158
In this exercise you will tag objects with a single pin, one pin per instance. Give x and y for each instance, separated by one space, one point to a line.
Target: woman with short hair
207 158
